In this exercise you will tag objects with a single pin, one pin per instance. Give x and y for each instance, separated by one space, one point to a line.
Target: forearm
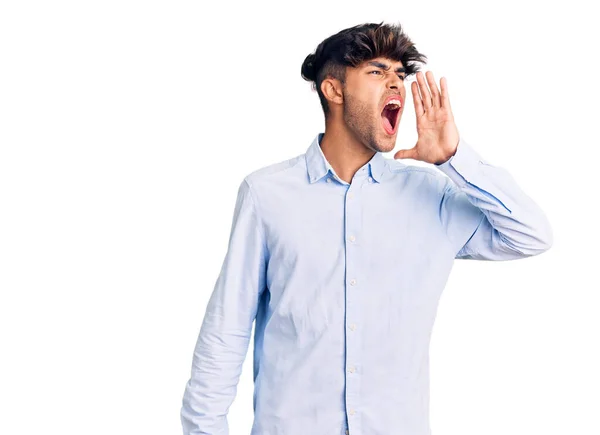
514 226
224 337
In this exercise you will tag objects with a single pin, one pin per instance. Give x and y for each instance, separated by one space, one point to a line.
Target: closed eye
376 71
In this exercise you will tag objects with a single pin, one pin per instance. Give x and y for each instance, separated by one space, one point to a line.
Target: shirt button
352 412
352 282
353 326
329 180
352 238
370 179
351 369
347 431
351 195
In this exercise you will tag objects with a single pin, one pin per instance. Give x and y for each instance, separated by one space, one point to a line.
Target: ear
332 90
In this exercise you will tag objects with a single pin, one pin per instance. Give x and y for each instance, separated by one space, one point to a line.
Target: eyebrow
385 66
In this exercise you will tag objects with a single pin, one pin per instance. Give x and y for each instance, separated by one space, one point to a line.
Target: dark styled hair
355 45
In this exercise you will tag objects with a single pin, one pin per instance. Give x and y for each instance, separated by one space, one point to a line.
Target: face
367 88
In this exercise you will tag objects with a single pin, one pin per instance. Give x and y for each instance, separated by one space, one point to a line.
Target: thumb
407 154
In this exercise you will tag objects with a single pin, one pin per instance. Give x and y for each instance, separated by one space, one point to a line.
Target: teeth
395 103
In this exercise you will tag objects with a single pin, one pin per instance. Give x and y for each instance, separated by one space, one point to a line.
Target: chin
385 143
386 137
388 144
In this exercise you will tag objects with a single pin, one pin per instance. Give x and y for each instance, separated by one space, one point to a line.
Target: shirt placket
355 287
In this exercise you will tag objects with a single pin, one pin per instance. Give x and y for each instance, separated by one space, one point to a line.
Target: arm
486 214
224 336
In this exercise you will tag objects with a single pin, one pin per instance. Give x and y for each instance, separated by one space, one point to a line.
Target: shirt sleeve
224 336
486 215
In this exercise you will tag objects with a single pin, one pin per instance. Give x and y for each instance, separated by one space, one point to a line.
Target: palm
437 133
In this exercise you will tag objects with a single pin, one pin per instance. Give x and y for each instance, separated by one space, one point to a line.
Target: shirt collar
318 166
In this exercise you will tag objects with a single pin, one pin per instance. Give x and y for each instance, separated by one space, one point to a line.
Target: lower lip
395 129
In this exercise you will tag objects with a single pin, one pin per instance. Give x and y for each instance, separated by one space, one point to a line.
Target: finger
414 87
445 97
407 154
435 93
424 91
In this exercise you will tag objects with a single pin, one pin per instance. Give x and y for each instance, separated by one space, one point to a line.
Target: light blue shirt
343 280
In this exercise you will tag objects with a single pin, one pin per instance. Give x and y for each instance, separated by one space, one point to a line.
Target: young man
341 254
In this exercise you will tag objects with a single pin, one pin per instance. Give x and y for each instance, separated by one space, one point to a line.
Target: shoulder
261 180
401 172
270 171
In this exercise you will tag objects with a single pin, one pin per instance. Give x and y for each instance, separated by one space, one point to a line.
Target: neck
344 152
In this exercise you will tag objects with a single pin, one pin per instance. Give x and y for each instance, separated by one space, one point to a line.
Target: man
341 254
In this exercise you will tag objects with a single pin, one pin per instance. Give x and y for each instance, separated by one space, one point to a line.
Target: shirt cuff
469 170
464 161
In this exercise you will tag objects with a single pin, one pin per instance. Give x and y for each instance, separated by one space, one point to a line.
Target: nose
395 82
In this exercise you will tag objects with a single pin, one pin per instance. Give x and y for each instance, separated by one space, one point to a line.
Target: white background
126 128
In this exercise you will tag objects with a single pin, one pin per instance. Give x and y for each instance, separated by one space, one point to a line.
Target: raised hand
437 133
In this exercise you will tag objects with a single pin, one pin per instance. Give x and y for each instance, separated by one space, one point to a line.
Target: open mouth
389 118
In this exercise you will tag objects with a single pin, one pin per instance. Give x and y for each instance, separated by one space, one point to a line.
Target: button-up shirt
342 280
